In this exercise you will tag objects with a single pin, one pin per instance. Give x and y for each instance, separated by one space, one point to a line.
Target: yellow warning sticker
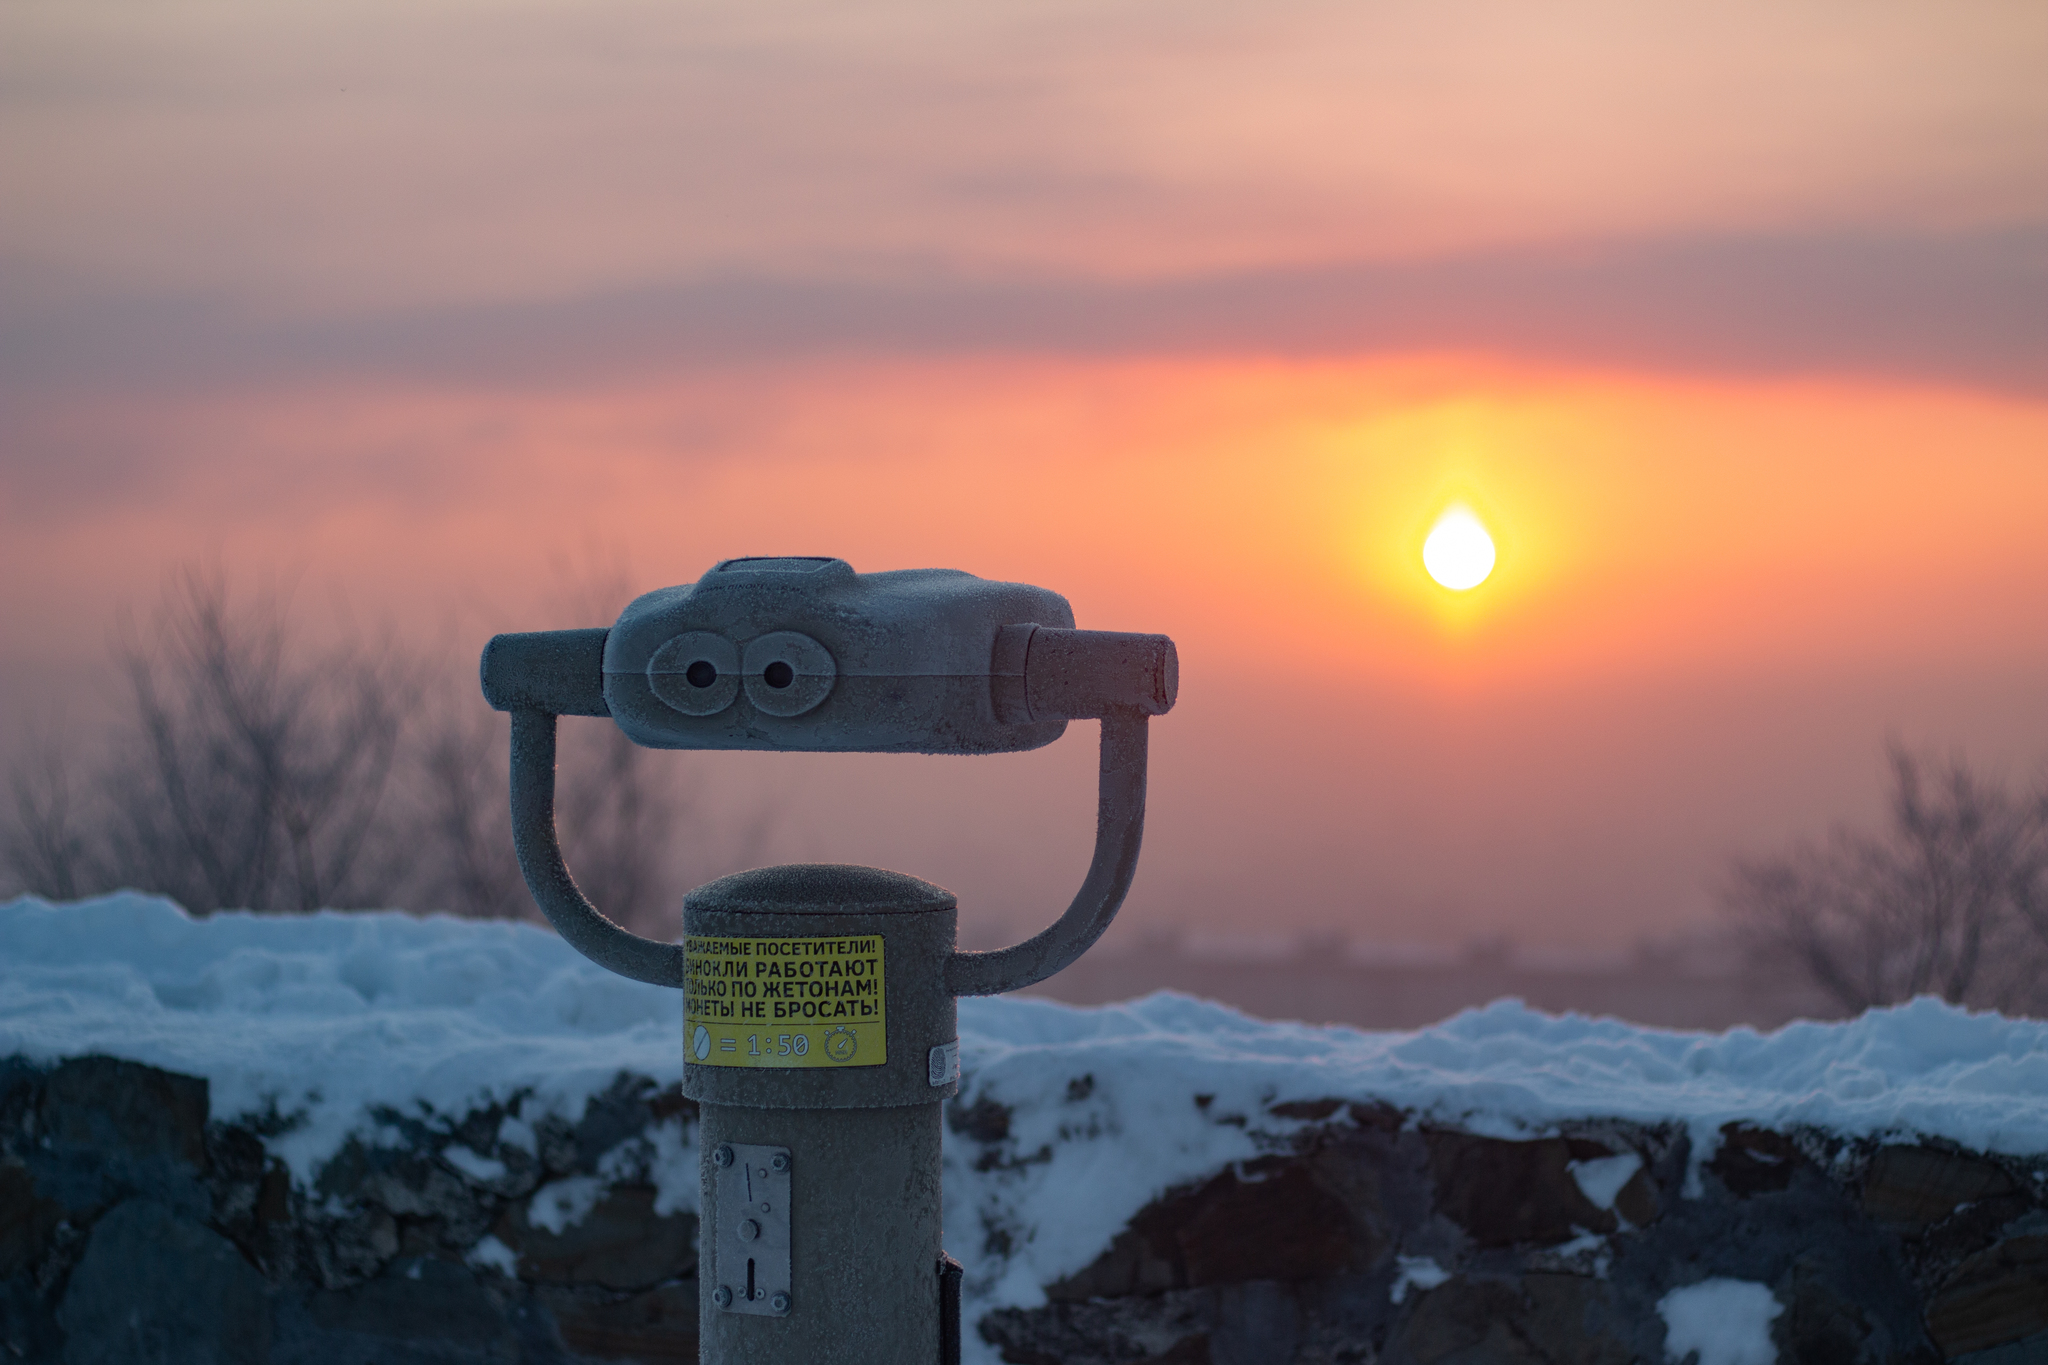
784 1002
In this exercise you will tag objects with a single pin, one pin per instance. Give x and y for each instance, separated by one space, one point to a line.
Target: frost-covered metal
819 1000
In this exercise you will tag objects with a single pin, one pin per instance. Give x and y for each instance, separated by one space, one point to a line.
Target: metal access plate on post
750 1255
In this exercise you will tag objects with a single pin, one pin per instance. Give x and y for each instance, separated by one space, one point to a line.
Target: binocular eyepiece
805 654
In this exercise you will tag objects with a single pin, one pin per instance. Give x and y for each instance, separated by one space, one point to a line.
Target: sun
1458 554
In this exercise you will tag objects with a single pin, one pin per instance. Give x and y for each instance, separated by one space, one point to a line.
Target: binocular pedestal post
820 1042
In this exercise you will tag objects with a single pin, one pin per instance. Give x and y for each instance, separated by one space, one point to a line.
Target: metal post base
864 1235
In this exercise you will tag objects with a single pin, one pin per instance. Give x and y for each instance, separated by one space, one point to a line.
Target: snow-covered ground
326 1017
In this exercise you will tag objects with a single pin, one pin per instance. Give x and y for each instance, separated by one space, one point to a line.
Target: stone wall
135 1228
1374 1240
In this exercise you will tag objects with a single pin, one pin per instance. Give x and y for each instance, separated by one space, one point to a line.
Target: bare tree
1948 899
46 849
2030 893
252 771
621 826
459 785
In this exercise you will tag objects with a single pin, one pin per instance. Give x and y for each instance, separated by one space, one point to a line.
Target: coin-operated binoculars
819 1025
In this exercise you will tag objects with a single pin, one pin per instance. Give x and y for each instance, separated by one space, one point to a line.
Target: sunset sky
1729 321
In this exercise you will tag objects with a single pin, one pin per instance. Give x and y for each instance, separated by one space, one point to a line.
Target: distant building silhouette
1702 982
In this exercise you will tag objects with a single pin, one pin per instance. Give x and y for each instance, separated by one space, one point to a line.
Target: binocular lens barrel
1037 673
560 672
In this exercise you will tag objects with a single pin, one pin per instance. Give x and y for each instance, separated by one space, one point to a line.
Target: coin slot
749 1225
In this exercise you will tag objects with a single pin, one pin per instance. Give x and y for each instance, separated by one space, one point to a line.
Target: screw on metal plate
750 1260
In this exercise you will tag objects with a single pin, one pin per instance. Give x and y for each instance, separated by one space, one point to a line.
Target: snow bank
1980 1080
329 1014
328 1017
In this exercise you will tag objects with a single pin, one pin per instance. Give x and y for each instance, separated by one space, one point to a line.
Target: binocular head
799 653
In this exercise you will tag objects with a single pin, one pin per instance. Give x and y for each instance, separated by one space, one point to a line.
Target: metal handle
1119 826
547 876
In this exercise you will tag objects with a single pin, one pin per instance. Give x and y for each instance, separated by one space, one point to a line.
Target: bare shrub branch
47 851
1946 900
265 764
622 828
465 816
253 770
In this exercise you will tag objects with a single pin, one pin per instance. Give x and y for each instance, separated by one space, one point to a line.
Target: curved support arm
1119 826
547 876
